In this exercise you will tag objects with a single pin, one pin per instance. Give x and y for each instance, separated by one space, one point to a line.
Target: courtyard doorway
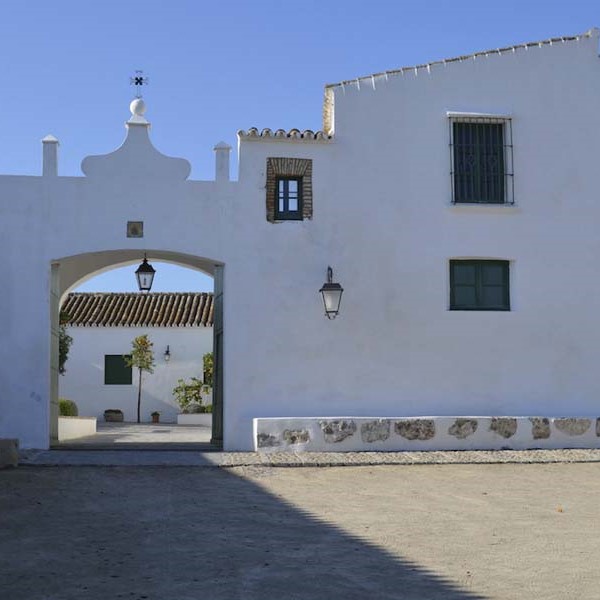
174 355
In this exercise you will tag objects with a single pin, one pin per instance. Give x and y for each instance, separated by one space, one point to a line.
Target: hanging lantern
145 275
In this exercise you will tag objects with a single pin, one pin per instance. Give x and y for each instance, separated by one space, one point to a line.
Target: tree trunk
139 395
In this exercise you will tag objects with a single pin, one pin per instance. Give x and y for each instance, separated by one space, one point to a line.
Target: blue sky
219 66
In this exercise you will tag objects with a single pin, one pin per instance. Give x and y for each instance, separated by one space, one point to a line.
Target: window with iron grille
479 285
288 204
482 161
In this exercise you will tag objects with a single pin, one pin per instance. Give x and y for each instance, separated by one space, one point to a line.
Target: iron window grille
479 285
288 198
481 156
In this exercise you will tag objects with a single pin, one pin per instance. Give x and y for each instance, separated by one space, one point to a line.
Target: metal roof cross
138 80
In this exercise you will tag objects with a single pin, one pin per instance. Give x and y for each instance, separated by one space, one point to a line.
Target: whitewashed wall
383 221
83 381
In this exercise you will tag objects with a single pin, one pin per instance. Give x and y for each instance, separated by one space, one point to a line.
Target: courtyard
452 531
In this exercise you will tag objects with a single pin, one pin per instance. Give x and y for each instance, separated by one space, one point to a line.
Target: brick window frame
278 167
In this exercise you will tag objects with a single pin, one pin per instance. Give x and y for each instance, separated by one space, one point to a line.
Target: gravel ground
289 459
431 531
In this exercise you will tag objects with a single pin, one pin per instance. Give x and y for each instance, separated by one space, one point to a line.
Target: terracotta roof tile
308 135
160 309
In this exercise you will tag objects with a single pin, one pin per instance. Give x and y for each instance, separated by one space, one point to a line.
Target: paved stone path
305 459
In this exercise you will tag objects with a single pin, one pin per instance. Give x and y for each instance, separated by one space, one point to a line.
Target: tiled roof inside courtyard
159 309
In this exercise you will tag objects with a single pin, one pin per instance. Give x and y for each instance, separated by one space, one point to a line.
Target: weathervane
138 80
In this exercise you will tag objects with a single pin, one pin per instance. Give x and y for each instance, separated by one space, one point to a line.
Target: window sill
483 207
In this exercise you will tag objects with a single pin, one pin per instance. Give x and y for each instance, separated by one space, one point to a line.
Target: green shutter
116 371
479 285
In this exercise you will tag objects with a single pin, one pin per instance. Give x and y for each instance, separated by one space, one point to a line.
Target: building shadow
185 533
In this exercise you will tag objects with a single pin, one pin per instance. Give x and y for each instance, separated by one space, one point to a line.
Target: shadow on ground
184 533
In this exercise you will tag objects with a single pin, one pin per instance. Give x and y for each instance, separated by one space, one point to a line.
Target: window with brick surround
289 189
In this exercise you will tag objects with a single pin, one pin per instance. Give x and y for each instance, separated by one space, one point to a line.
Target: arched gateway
60 231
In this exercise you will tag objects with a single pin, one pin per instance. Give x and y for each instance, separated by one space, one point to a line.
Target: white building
103 326
457 203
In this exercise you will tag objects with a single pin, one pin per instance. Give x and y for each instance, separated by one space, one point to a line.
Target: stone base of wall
71 428
355 434
9 453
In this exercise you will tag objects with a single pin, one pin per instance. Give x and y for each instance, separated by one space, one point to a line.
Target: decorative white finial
137 107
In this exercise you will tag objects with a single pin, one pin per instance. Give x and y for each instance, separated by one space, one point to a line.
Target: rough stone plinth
504 426
375 431
540 428
463 428
337 431
572 426
415 429
9 453
296 436
266 440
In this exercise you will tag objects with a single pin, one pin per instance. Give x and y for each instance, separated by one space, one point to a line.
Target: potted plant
155 416
113 415
188 394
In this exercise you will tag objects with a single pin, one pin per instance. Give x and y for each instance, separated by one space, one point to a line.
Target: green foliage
188 393
64 342
142 355
208 366
67 408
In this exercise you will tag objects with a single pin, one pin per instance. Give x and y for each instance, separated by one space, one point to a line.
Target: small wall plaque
135 229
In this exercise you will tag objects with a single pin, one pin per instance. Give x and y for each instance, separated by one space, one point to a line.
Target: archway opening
103 312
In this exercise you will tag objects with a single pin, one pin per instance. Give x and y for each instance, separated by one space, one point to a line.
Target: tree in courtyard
142 359
208 368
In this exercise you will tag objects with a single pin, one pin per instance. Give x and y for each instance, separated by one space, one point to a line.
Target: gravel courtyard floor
428 531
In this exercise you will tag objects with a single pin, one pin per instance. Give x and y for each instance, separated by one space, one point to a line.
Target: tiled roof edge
594 32
293 135
135 309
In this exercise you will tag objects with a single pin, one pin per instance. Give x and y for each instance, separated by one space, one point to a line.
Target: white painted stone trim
70 428
195 419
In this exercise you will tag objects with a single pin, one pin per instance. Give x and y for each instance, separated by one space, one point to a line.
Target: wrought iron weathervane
138 80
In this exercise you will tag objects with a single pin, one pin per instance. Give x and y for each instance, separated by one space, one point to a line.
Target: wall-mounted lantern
145 275
167 354
332 295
